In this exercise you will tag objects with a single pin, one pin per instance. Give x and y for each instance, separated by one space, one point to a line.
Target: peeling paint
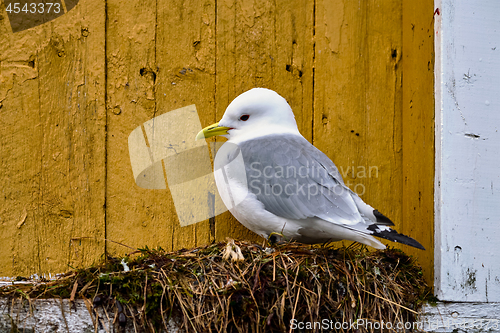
22 220
472 135
333 32
469 281
458 250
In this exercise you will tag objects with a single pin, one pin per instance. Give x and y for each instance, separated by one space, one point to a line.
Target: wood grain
83 82
363 118
134 216
418 130
52 136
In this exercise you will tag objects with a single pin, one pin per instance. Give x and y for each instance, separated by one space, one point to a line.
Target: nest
244 287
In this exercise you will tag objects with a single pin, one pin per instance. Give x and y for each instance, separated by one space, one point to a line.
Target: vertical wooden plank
135 216
270 45
418 129
53 130
360 120
161 56
261 44
357 120
186 60
383 144
71 86
20 152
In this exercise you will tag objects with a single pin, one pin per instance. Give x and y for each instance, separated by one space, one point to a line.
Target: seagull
280 186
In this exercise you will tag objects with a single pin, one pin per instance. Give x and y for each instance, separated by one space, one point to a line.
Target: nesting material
243 287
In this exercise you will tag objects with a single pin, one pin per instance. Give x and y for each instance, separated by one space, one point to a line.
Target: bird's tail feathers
392 235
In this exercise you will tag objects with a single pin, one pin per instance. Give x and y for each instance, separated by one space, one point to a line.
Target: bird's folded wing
294 180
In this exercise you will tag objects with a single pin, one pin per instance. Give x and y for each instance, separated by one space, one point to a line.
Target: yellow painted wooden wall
358 75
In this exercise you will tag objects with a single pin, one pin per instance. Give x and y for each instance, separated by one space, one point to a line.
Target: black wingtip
381 218
394 236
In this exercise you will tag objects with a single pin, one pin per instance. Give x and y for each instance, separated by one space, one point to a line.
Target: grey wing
294 180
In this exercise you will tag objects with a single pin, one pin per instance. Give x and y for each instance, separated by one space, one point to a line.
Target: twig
105 239
295 306
385 299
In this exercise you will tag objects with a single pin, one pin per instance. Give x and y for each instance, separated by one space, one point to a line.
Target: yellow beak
212 130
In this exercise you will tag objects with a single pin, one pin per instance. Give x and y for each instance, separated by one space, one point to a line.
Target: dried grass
242 287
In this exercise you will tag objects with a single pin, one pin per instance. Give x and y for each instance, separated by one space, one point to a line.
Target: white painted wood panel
467 265
460 317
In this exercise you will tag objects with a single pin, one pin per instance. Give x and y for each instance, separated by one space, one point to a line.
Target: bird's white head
255 113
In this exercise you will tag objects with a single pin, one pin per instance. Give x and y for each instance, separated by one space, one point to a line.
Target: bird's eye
244 117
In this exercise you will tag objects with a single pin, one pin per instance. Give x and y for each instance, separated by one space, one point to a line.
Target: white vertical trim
467 191
438 107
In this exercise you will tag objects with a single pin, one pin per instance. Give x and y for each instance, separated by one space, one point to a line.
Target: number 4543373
34 8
